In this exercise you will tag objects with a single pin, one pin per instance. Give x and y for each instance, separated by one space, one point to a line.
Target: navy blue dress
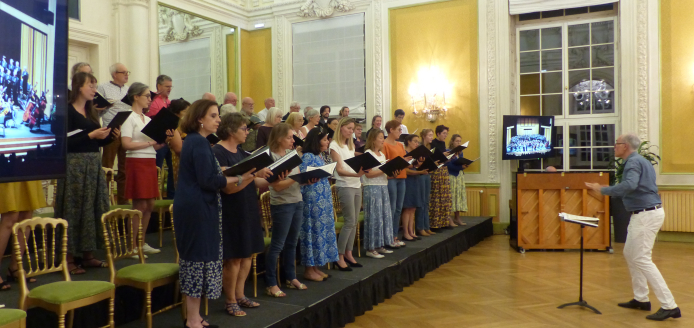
241 228
198 219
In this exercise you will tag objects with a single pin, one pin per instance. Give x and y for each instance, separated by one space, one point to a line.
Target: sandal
278 294
11 277
77 270
292 286
90 263
234 309
247 303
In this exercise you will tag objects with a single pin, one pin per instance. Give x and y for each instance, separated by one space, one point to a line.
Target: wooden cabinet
542 196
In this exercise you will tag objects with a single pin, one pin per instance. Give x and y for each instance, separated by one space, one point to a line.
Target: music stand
580 302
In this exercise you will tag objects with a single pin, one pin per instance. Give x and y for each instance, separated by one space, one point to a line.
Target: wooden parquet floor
492 285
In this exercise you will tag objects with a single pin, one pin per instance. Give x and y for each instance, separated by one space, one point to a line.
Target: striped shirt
112 91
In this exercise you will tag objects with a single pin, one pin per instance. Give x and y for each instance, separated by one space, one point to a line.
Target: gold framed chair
111 183
266 221
118 229
339 220
61 297
162 206
178 257
13 318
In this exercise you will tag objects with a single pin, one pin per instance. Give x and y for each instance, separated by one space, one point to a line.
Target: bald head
231 98
269 103
247 105
209 96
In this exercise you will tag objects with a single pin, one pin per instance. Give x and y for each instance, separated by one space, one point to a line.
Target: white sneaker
400 243
374 254
137 257
149 249
384 251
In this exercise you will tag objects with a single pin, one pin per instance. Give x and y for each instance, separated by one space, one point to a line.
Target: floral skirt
440 203
201 278
378 222
458 193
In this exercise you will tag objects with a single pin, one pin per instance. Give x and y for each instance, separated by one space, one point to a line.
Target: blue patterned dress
317 236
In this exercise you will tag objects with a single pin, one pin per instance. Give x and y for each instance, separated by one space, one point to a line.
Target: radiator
474 202
678 206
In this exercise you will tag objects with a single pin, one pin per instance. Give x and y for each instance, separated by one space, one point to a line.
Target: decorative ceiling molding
179 26
318 8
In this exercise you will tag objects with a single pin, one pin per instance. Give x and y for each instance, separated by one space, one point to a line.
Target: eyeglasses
126 73
620 143
148 95
244 129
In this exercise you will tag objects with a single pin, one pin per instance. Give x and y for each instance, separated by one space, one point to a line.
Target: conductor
640 196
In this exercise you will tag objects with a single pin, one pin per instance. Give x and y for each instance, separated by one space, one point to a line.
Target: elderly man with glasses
115 90
639 193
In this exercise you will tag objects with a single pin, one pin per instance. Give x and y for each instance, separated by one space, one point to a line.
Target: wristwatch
240 180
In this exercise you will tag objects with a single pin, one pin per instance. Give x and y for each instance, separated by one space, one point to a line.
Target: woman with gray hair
313 119
273 117
140 163
78 68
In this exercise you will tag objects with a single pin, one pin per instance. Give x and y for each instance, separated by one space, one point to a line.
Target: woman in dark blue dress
198 211
241 228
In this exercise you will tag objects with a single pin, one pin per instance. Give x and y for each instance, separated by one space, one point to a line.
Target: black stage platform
331 303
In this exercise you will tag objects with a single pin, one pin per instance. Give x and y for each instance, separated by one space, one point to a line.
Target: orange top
393 151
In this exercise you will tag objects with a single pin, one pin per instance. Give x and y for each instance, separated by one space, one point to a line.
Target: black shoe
209 325
663 314
354 265
447 228
347 268
391 247
418 238
634 304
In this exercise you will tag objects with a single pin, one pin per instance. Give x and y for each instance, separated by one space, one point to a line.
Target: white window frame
566 120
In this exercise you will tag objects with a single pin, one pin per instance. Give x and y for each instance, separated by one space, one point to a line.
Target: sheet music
582 220
73 132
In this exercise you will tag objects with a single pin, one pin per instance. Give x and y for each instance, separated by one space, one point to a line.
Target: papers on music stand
582 220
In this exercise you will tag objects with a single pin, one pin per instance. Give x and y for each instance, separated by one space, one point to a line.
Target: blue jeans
286 224
422 215
396 193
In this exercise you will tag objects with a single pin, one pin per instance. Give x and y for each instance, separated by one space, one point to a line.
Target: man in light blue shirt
639 193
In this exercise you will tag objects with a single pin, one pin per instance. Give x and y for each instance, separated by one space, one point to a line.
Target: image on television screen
527 137
33 89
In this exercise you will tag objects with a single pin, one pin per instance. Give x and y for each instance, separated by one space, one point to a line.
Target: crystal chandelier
428 94
599 89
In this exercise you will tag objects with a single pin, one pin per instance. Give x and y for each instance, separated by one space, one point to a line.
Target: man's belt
647 209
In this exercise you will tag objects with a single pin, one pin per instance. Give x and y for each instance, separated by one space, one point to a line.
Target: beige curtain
516 7
34 54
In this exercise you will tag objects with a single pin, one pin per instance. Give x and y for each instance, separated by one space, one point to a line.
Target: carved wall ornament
324 8
179 26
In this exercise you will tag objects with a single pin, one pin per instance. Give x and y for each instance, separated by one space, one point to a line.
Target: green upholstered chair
60 297
161 206
118 227
266 221
13 318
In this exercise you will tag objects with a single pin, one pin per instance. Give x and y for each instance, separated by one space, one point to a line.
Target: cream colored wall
94 30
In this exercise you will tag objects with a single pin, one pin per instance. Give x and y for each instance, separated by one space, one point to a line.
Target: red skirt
141 178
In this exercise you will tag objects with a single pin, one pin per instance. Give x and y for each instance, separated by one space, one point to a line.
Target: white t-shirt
345 153
403 129
380 180
262 114
133 128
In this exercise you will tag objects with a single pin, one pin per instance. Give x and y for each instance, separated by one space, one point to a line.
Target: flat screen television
33 89
528 137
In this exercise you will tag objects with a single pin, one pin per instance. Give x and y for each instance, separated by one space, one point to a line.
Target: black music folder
287 163
213 139
465 161
119 119
298 142
437 155
459 148
364 161
429 165
258 160
395 164
421 151
127 101
403 136
315 172
156 128
101 101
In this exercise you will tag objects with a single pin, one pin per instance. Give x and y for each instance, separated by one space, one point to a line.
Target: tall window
567 70
73 9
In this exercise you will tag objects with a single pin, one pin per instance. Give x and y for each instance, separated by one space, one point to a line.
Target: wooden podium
542 196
